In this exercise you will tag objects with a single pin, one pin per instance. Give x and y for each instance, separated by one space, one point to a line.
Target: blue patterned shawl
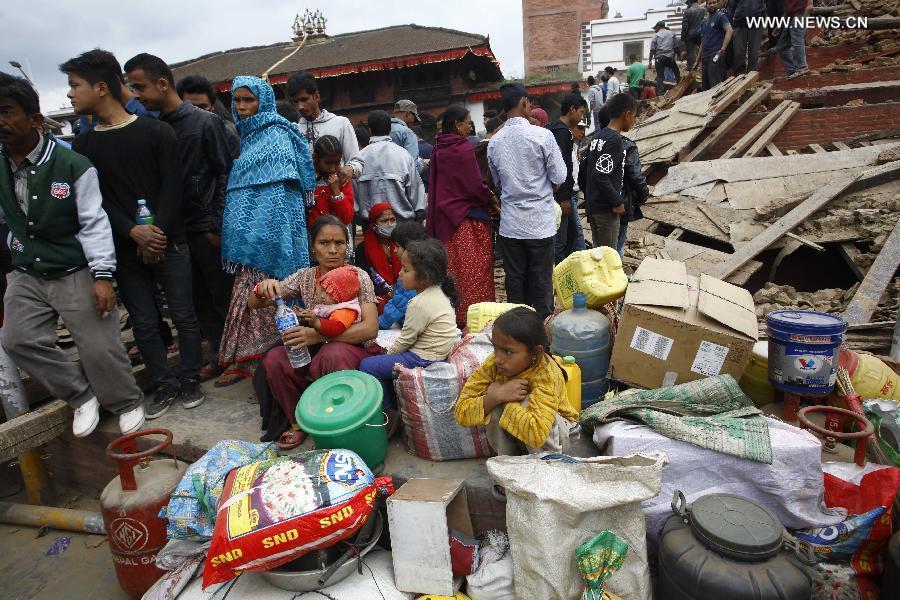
264 225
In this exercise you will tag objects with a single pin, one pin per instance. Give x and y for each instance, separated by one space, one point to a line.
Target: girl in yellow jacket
519 393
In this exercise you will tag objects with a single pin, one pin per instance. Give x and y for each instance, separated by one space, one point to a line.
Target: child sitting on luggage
519 393
338 306
429 330
395 309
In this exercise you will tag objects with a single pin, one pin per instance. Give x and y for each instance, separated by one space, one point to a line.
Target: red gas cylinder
130 504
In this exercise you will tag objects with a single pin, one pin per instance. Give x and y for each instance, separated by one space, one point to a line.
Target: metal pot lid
736 527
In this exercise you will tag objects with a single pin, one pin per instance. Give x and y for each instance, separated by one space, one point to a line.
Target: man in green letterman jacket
63 262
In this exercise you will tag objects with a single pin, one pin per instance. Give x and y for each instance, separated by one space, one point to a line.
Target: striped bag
427 398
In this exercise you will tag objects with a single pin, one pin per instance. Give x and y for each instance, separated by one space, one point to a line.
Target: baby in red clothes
338 306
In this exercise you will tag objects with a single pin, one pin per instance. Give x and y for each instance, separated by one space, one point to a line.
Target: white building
609 42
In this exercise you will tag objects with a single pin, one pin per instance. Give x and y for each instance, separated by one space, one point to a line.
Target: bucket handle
385 424
679 506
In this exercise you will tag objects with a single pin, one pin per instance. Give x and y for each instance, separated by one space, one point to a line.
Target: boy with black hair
205 159
613 87
527 168
137 158
390 174
601 172
315 121
64 260
572 111
197 90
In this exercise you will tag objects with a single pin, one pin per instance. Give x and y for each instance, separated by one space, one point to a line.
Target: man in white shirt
613 86
527 167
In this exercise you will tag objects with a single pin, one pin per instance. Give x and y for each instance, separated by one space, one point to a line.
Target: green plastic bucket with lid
343 410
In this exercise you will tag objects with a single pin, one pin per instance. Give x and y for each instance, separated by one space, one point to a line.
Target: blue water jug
584 334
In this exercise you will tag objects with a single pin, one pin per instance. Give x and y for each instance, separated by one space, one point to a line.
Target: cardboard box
676 328
420 516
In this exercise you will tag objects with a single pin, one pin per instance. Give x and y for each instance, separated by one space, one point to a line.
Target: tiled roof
345 49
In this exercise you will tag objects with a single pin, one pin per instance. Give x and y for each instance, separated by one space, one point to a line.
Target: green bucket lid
736 527
339 403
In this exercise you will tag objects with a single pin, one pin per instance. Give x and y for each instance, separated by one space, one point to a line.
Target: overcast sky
40 34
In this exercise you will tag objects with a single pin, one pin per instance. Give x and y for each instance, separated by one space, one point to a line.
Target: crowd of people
222 219
718 37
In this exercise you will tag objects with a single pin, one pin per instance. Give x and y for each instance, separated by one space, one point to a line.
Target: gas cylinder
130 505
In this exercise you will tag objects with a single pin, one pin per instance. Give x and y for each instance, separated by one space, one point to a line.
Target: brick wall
551 31
818 126
848 78
816 58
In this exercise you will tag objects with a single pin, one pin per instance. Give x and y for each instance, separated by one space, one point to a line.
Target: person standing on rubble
715 36
691 22
663 48
63 260
746 38
791 46
601 172
527 168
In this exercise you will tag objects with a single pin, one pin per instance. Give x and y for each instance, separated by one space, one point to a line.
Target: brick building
552 31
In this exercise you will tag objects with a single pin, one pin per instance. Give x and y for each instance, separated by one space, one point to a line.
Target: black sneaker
192 395
163 399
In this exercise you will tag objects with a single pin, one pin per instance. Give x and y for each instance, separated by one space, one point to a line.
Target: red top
342 209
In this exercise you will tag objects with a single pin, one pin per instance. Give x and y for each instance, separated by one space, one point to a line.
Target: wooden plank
773 149
741 84
850 253
712 219
868 57
733 119
880 274
841 146
773 130
699 259
686 215
805 242
32 429
817 148
754 134
676 233
798 215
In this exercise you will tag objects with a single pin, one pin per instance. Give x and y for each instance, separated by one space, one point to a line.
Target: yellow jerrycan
481 313
596 272
573 380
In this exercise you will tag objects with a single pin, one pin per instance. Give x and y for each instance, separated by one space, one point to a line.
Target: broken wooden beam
725 97
774 129
798 215
841 146
774 151
850 254
817 148
756 131
733 119
880 274
805 242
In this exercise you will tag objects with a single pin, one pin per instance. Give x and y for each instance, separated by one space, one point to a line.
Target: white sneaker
132 420
87 416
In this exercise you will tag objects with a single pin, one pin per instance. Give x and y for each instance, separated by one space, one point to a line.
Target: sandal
226 379
290 439
210 371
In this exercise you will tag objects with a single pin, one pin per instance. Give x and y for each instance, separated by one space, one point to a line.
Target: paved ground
83 570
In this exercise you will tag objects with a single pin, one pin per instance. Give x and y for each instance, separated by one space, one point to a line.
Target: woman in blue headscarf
264 232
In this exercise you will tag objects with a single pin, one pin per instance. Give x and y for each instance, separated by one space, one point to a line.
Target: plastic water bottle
584 334
286 319
379 281
144 216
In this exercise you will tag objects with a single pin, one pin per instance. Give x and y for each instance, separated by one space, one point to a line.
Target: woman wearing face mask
377 254
457 213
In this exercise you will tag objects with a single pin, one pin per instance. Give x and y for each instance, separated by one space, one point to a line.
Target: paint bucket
803 350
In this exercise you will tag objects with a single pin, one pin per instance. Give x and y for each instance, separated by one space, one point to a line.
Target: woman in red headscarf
457 213
377 254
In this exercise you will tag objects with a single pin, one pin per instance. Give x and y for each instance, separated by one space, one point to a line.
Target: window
629 48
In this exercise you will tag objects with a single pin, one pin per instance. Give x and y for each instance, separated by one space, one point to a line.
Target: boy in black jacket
572 112
601 172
